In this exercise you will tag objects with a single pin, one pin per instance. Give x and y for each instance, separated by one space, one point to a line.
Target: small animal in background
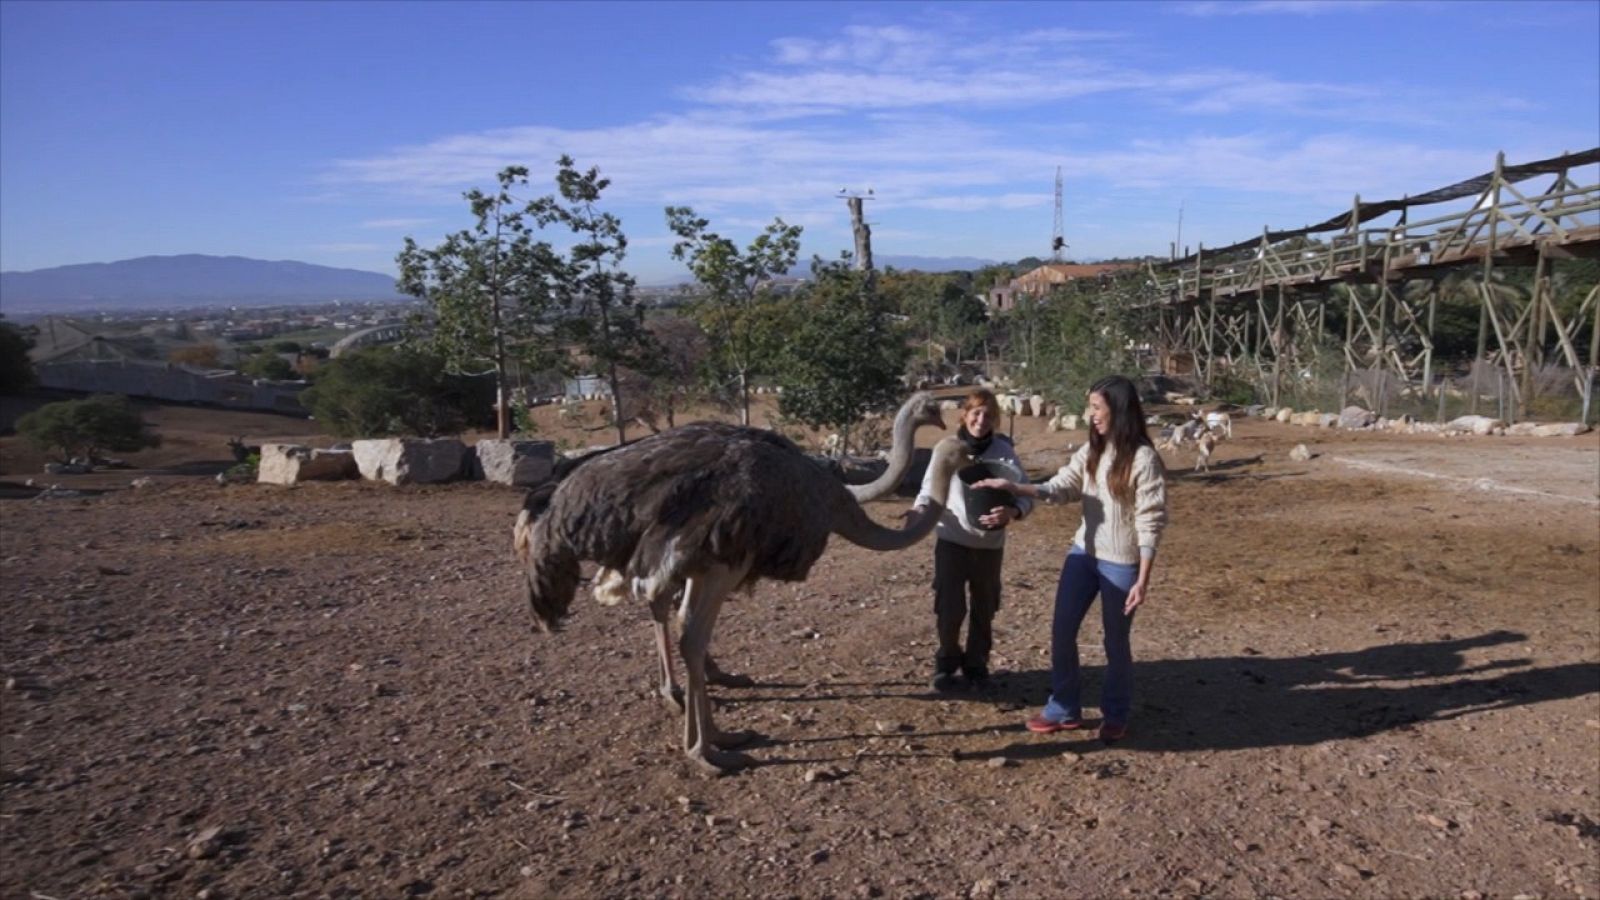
1203 448
241 450
1221 423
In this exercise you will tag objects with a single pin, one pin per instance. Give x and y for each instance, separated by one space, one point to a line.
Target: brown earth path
1351 682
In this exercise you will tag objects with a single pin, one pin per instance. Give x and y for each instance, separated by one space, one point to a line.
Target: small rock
1347 871
1300 453
983 889
1435 821
206 844
1001 762
1318 826
817 856
1069 758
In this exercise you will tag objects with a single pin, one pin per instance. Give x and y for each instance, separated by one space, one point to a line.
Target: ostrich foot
730 679
715 675
712 761
727 739
672 696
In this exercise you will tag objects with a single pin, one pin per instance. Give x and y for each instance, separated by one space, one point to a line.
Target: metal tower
1058 242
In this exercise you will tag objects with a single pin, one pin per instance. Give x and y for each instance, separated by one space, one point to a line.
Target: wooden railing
1500 219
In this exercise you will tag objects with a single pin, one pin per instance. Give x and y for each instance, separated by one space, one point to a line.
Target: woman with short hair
970 548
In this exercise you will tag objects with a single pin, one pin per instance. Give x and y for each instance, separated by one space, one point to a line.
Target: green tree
490 288
1082 332
939 308
16 369
735 284
845 356
603 317
87 428
268 365
398 391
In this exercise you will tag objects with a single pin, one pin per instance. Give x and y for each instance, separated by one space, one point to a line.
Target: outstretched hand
997 484
913 516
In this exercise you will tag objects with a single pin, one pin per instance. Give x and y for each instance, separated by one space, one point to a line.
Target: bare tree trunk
744 398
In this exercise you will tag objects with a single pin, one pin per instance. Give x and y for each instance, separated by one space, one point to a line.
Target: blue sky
328 132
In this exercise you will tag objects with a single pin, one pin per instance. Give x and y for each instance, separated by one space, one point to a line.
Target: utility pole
858 224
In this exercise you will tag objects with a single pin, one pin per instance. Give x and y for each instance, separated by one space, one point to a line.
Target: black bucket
980 501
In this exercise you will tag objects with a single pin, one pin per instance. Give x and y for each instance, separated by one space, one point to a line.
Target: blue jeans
1082 577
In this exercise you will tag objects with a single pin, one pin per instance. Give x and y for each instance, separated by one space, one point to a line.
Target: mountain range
186 281
191 280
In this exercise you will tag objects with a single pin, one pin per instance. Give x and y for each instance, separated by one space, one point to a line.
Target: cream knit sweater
1112 530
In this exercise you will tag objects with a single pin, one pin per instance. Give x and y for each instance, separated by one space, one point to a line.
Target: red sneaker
1111 732
1040 725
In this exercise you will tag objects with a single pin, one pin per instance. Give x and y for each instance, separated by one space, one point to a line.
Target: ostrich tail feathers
550 579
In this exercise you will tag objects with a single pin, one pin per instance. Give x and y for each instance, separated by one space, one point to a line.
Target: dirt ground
1373 674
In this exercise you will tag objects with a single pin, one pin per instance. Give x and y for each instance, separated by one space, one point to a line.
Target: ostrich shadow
1253 701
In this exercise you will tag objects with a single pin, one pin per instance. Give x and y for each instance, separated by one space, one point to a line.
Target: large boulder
1356 417
1476 424
294 463
1037 401
410 460
1300 453
1560 429
1310 418
1284 415
520 463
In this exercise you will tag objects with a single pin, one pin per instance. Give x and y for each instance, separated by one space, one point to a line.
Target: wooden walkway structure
1260 305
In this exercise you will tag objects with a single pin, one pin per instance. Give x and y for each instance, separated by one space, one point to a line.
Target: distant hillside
931 263
182 281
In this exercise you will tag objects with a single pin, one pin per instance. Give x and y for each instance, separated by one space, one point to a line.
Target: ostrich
695 513
609 588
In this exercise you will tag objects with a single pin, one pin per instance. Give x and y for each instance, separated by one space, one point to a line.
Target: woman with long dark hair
1120 479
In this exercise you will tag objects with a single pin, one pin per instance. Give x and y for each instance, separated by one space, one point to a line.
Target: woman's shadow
1256 701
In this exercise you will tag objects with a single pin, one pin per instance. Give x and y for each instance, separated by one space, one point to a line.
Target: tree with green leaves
735 287
1083 332
383 391
846 356
16 369
603 317
491 288
268 365
88 428
940 308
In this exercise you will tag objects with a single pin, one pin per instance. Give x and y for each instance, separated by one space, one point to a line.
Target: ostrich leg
660 610
702 741
671 693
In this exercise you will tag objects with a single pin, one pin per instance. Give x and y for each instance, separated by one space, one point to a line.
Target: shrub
87 428
269 366
389 391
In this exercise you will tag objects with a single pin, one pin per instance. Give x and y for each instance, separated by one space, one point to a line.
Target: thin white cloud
973 202
907 113
395 223
1208 8
354 247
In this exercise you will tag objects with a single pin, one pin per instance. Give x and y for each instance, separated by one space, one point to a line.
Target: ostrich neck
853 524
900 449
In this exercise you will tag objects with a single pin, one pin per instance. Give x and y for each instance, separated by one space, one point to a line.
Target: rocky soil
1372 674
